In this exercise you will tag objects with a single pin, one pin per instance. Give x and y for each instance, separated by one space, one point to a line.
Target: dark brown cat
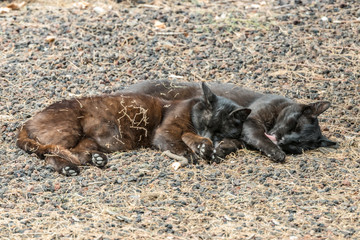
76 132
276 125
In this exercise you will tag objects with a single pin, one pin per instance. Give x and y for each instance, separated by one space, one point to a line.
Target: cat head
217 117
297 128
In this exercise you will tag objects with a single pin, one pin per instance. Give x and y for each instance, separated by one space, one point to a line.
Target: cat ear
209 96
240 114
315 109
324 142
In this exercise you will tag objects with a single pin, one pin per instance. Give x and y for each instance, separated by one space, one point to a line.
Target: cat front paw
222 150
277 156
70 171
215 158
206 149
99 159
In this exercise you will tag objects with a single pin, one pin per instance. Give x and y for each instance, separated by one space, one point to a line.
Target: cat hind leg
63 166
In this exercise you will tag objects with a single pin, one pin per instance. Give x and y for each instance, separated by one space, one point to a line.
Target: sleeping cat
215 118
276 125
76 132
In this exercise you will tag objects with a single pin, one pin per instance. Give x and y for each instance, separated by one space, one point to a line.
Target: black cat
276 125
211 117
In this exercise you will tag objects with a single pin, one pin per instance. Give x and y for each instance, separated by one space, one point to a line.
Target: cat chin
272 138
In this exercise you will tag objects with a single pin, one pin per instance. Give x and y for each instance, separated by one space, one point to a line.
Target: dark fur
76 132
215 118
276 125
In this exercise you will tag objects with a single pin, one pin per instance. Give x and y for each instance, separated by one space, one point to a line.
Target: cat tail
30 145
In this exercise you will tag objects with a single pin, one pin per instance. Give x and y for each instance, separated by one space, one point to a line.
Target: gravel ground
305 50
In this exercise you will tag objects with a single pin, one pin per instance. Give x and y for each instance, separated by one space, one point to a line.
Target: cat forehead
226 101
294 108
225 105
295 112
306 131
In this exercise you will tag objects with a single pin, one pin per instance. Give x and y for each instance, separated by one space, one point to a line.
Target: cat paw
99 159
219 153
205 150
215 158
277 156
70 171
224 149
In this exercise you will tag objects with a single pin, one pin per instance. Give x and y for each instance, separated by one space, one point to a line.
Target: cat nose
272 137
